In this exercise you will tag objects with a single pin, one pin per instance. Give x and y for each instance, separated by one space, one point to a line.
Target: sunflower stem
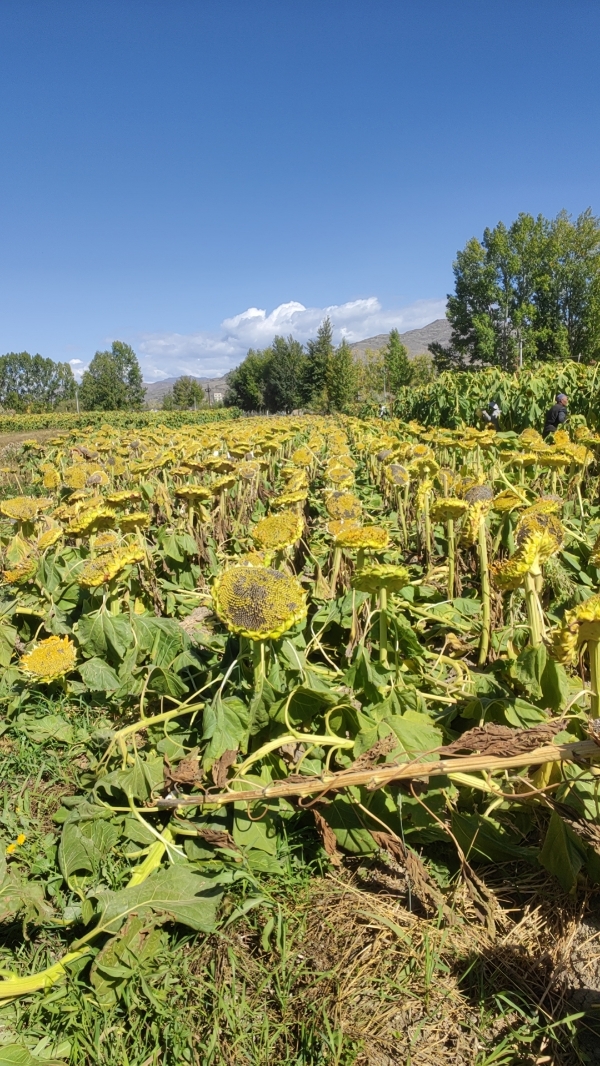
258 665
484 572
451 557
594 656
335 569
533 611
383 654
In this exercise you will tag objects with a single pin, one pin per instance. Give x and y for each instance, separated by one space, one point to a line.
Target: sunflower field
386 634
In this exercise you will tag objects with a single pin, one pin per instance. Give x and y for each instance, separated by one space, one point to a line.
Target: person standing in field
556 415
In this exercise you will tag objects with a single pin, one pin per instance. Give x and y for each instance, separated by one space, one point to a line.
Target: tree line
320 376
526 293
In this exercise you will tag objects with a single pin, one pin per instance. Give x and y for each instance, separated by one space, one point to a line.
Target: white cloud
208 354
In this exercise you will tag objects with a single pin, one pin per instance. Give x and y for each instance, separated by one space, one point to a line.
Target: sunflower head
22 571
278 531
51 477
534 521
580 626
22 508
448 507
49 537
374 538
105 567
288 499
248 470
50 659
91 520
337 525
123 497
136 520
479 494
375 576
343 505
258 602
75 477
194 493
105 542
397 475
507 500
537 545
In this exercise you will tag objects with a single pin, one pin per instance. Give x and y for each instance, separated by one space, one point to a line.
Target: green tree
32 383
319 353
341 379
397 364
422 370
113 381
527 292
246 385
285 380
187 394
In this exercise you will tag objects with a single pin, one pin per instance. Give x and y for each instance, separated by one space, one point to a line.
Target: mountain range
416 342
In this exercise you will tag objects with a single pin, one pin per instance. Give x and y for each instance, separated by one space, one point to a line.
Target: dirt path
37 434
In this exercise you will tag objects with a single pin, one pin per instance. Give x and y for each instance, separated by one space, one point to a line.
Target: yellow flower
257 602
21 571
507 500
21 839
343 505
373 537
50 659
374 576
105 542
397 475
535 547
11 849
448 507
49 537
195 493
279 531
23 508
75 477
103 569
90 520
51 478
136 520
580 626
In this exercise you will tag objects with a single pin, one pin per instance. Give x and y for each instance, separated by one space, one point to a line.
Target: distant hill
155 390
416 341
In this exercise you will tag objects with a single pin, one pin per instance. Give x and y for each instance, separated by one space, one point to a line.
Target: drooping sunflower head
535 547
397 475
580 626
534 521
75 477
479 494
258 602
105 567
375 576
278 531
49 537
343 505
248 470
22 508
51 477
194 494
128 523
50 659
336 525
531 437
373 538
123 497
22 571
105 542
507 500
254 558
288 499
448 507
91 520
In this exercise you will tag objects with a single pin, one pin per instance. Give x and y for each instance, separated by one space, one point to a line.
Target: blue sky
193 176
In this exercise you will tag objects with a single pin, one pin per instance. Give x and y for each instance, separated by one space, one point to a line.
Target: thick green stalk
594 656
335 569
383 651
484 572
533 611
451 556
